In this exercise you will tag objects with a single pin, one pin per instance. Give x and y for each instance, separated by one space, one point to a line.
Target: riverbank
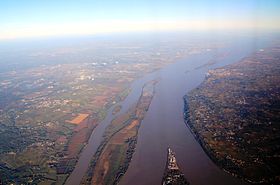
115 152
234 116
208 150
164 127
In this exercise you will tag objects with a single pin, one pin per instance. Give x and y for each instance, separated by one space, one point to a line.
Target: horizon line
119 26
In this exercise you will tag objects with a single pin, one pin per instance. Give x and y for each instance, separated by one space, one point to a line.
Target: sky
37 18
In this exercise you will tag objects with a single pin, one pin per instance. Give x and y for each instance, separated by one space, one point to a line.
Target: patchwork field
119 142
78 83
78 119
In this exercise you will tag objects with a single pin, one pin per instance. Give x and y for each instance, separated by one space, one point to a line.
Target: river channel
163 125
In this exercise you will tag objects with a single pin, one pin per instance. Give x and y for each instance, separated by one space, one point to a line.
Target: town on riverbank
234 114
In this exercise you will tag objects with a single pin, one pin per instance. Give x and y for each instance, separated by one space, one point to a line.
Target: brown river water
163 125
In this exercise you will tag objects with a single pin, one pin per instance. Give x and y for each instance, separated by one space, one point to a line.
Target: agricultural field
53 116
51 105
120 137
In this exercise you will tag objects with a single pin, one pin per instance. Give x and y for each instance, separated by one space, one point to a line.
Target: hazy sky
33 18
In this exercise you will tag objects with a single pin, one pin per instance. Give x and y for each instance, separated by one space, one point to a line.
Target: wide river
163 125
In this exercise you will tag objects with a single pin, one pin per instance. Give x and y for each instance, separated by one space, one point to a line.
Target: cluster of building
234 114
